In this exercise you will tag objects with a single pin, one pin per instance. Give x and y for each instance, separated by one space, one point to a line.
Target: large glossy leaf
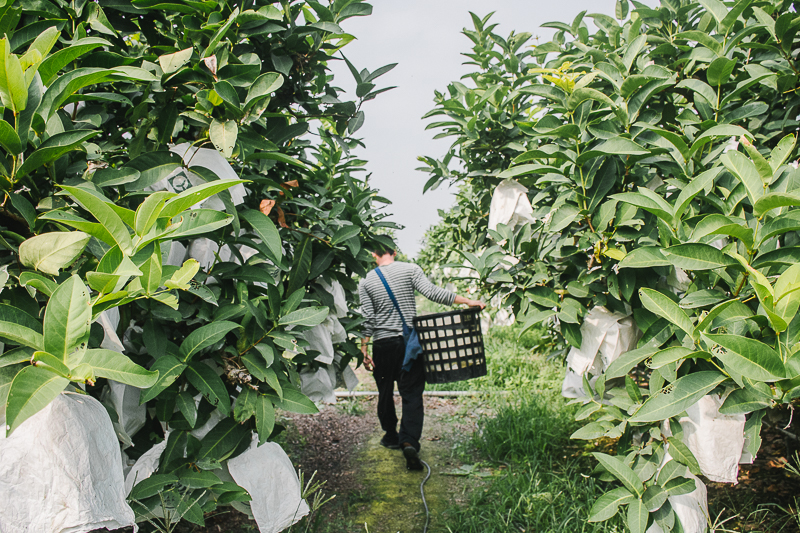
744 169
53 148
295 402
153 167
205 336
621 471
749 357
307 316
637 516
113 365
195 195
223 135
676 397
68 84
31 391
67 318
17 334
105 215
204 379
665 307
169 368
644 257
607 505
697 256
743 401
265 229
223 438
60 59
265 418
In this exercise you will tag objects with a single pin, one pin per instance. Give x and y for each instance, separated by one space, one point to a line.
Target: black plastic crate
452 345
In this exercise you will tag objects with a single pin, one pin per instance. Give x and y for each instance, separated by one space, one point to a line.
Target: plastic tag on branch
268 476
606 336
716 440
510 205
61 471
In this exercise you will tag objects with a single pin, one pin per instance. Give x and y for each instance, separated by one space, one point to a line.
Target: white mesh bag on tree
61 471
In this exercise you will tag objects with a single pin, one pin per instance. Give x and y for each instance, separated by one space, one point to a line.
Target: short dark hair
382 249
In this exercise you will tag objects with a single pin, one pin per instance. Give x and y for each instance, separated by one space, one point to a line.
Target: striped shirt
383 321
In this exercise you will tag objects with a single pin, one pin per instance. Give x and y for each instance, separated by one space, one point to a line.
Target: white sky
424 38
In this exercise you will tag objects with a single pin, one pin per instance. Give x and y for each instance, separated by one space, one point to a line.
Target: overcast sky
424 38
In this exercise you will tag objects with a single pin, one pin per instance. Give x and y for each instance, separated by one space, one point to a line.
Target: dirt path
374 491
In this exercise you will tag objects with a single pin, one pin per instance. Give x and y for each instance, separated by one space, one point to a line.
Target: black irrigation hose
422 491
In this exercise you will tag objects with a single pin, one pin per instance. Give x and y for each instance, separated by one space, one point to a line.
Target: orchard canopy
641 184
180 211
182 223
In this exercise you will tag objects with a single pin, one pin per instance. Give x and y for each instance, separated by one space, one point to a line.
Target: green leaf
344 233
223 135
644 257
682 454
205 336
719 71
621 471
148 211
31 391
183 201
49 252
151 486
607 505
781 152
219 34
774 200
663 306
9 138
204 379
748 357
113 365
678 396
680 485
183 276
168 368
22 335
745 170
222 440
187 407
152 168
752 432
697 256
307 316
51 361
67 318
264 85
693 188
172 62
53 64
625 362
654 497
196 222
649 201
743 401
266 231
245 406
105 215
669 356
53 148
637 517
702 38
198 479
295 402
632 51
301 265
265 418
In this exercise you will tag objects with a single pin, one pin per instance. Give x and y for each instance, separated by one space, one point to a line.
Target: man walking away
383 323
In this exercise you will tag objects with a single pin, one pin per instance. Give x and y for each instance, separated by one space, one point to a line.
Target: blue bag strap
391 296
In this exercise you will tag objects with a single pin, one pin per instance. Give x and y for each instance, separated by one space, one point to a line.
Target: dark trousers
388 355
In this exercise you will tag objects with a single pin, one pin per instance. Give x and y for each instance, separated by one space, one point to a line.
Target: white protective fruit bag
61 471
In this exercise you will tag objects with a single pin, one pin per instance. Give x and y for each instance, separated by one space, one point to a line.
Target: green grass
542 482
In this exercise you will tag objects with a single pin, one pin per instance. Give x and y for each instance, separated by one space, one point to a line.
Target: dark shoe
390 442
412 457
